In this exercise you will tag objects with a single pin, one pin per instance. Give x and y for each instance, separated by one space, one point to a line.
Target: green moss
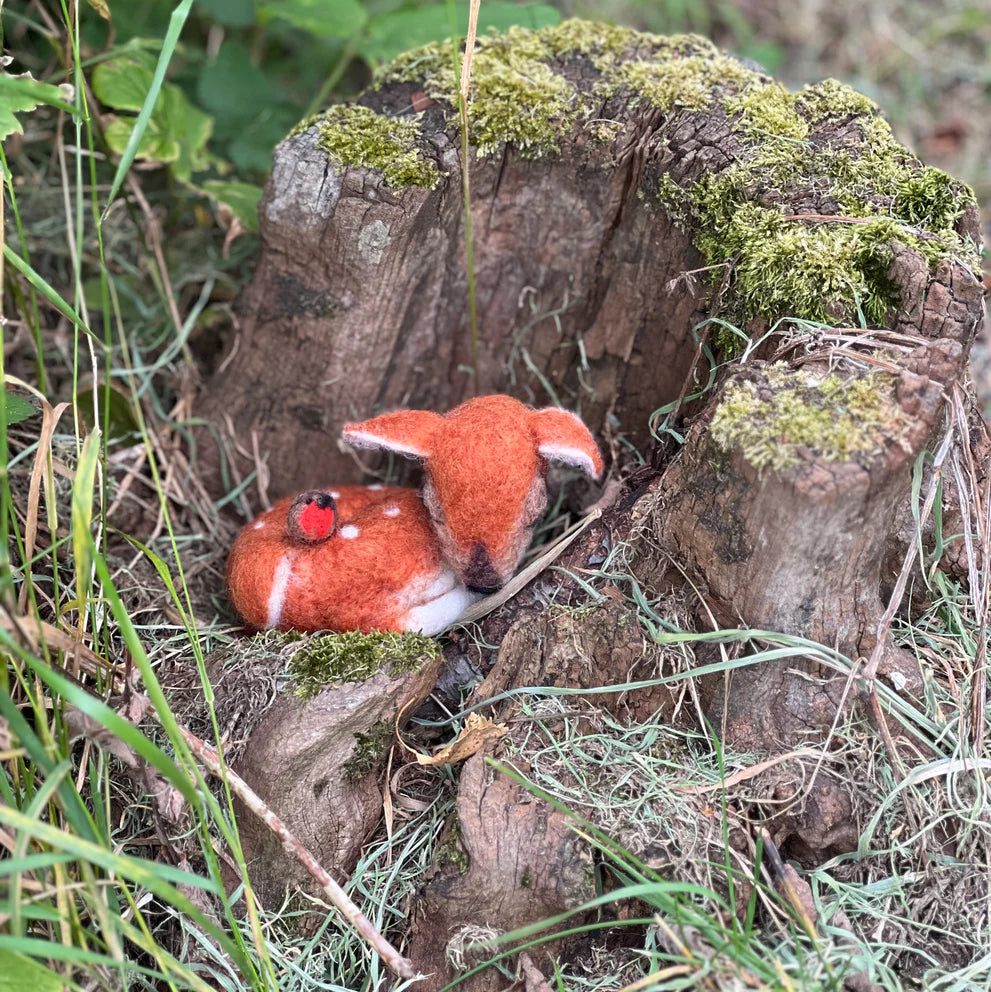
515 95
769 110
354 657
929 197
692 82
833 419
814 271
826 138
593 38
357 136
832 272
450 850
831 98
368 751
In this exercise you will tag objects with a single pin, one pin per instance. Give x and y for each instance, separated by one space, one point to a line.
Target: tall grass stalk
462 72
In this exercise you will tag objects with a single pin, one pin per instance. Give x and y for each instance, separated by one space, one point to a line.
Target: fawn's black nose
481 575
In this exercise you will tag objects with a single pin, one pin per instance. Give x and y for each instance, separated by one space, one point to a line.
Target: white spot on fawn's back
391 511
349 531
277 596
376 486
259 525
334 494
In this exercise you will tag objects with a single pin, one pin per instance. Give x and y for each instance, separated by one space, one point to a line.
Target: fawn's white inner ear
365 439
570 456
277 595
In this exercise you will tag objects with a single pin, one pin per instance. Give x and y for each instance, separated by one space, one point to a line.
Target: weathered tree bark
359 303
315 761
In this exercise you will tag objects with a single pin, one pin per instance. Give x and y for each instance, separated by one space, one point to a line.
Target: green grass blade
46 291
83 489
152 876
176 22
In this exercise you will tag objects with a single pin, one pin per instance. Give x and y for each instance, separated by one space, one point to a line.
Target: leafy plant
177 131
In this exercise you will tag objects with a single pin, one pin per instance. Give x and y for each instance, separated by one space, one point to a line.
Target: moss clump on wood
369 749
831 271
332 659
825 140
518 96
835 420
357 136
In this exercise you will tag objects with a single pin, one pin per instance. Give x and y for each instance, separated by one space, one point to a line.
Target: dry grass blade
35 632
528 574
41 470
884 626
754 770
469 50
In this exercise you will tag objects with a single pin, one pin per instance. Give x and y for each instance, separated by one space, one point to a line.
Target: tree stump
656 225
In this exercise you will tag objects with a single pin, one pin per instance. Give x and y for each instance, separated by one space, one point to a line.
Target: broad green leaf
232 87
122 83
241 198
251 150
20 94
17 408
322 18
389 34
176 132
18 973
119 423
229 13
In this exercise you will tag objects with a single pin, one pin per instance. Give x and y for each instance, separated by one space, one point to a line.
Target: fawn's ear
562 437
406 432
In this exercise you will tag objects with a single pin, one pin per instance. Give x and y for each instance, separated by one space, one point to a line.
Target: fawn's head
485 464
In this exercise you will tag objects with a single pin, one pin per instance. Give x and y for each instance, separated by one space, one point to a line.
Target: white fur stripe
570 456
364 439
280 584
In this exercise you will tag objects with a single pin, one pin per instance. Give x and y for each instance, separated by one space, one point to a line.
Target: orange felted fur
380 568
485 464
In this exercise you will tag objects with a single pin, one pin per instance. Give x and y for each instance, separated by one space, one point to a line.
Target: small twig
154 232
392 958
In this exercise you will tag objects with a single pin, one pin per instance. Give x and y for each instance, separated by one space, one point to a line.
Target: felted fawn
355 558
485 465
388 558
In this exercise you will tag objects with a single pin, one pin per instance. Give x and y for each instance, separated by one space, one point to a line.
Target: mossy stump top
626 188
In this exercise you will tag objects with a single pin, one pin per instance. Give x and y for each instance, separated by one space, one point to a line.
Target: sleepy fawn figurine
389 558
485 465
355 558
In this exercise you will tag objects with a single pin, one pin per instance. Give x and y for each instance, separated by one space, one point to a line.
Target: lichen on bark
831 418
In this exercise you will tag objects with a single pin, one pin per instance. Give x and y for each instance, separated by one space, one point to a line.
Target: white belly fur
432 616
